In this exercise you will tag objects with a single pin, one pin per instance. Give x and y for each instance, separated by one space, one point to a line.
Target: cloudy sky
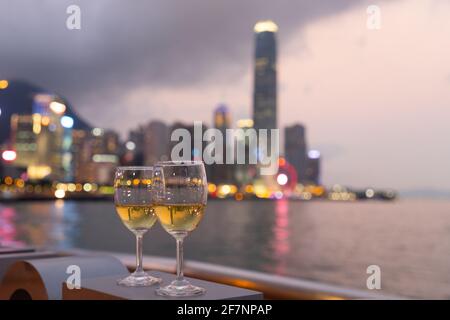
375 102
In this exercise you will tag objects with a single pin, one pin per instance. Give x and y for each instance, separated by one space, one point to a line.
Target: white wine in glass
133 197
176 218
180 195
137 218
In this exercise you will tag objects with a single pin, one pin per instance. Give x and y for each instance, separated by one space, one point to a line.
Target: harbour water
329 242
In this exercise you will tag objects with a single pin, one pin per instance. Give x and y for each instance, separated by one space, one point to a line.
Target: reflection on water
40 224
8 231
330 242
280 241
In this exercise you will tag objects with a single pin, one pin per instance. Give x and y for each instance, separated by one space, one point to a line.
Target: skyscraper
156 141
265 76
222 120
295 149
98 157
43 139
313 167
137 138
23 140
222 173
246 172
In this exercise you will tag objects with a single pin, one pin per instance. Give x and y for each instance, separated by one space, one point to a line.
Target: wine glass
180 199
133 198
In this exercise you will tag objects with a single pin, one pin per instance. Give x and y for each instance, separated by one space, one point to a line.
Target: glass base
139 279
180 288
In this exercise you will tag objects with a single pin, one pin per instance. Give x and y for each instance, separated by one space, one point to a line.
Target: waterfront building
23 140
244 173
265 76
295 149
42 140
98 157
313 167
155 143
135 147
222 172
79 159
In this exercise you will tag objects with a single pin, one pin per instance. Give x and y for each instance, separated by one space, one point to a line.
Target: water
325 241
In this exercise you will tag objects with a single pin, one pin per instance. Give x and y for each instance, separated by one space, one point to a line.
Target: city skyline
330 95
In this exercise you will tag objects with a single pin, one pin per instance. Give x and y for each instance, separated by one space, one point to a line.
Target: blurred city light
223 190
314 154
249 188
9 155
37 123
245 123
212 188
370 193
67 122
20 183
266 26
130 145
261 191
38 172
60 194
278 195
45 121
97 132
239 196
52 127
106 190
105 158
4 84
282 179
57 107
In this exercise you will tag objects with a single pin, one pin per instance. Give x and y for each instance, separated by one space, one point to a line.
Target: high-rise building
222 118
295 150
98 157
313 167
23 140
80 156
156 141
48 112
265 76
43 140
246 172
222 172
136 139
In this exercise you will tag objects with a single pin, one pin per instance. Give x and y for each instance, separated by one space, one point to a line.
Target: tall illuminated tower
265 76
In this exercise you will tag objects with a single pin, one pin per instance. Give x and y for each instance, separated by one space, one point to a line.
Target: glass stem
139 268
180 275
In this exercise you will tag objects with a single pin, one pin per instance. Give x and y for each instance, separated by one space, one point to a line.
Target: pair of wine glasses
173 192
